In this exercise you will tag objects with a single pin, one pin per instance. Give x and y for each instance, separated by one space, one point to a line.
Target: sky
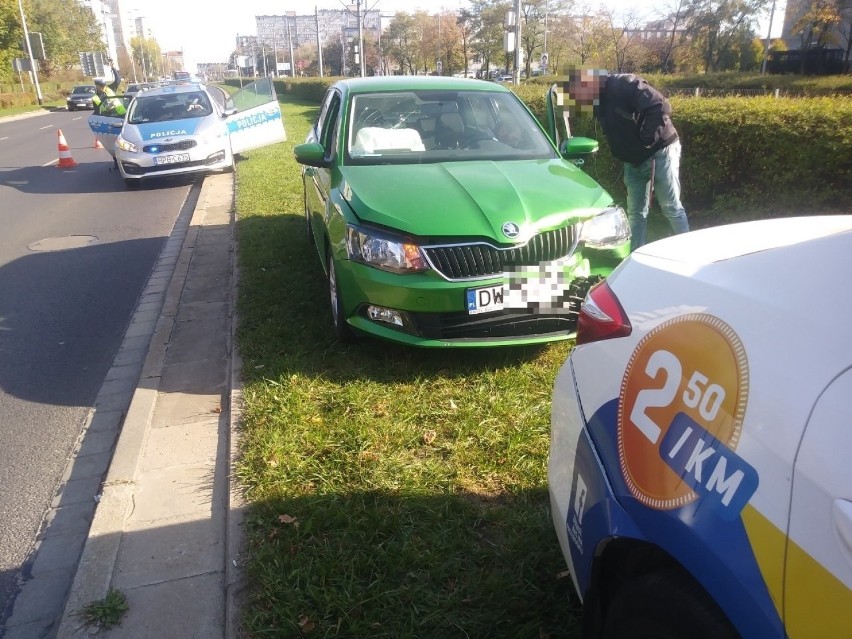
206 31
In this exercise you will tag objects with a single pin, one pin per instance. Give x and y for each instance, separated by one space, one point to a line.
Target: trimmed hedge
785 152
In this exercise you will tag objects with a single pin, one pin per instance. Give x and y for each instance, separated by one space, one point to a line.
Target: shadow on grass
381 564
285 319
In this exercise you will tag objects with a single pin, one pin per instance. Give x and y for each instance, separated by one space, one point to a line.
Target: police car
189 128
699 477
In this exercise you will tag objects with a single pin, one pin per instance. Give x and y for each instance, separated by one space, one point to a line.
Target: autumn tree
401 42
716 25
67 29
11 36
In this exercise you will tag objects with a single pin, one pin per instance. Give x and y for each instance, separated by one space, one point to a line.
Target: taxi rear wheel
664 605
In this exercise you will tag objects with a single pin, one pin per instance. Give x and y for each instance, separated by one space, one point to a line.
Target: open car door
572 148
257 121
107 126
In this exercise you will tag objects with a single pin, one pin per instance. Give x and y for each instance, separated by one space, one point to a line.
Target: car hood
472 198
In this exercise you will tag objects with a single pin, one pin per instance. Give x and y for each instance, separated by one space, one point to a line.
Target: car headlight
124 145
608 229
383 252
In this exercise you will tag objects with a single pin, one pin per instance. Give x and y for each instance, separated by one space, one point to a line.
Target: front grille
478 259
183 145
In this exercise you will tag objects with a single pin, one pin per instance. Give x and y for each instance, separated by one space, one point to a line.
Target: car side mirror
311 154
578 147
229 112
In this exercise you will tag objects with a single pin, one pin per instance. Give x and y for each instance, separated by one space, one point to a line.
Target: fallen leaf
429 436
563 574
453 405
306 624
287 519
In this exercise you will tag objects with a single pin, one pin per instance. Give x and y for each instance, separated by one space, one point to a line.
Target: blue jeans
637 179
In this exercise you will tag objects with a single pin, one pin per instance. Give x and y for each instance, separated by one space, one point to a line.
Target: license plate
484 300
171 159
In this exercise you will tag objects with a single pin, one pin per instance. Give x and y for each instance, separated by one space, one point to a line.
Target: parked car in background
699 467
189 128
443 215
80 97
133 89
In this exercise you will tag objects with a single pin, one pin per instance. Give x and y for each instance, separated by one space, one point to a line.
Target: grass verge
394 492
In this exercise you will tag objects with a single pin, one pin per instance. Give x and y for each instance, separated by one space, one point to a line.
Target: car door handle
842 515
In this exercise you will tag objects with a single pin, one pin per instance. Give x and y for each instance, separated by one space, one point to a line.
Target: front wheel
664 605
342 330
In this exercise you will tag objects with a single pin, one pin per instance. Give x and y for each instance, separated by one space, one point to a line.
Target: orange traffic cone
65 159
97 144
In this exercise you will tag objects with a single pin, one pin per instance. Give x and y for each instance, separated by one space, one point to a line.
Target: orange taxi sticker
691 369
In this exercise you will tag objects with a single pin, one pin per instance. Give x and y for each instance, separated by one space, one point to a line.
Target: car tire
342 330
664 605
72 108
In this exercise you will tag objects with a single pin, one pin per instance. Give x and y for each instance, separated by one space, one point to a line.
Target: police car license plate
484 300
171 159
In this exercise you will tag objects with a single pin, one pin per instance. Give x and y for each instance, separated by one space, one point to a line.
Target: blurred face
584 88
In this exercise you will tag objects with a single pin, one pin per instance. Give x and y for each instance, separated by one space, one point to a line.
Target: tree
146 55
67 28
715 25
11 35
466 23
588 39
817 23
332 57
487 43
402 42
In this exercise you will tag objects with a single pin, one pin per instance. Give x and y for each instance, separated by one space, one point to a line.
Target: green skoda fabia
445 215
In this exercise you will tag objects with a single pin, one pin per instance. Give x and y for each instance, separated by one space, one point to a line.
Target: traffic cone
97 144
65 159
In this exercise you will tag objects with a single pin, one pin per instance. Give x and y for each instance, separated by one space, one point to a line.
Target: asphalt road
76 249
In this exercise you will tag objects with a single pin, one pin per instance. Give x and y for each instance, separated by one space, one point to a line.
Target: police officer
104 100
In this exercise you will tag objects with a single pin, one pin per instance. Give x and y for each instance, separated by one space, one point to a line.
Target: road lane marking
49 126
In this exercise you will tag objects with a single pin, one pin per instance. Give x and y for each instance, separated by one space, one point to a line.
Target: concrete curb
97 567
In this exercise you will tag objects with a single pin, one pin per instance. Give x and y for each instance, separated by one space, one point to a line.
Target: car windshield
442 126
83 89
173 106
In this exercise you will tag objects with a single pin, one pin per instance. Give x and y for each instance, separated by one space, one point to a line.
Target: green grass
394 492
107 612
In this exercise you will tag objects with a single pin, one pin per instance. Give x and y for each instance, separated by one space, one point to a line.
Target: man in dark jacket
636 119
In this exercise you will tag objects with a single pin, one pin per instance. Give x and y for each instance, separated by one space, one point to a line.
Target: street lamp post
33 66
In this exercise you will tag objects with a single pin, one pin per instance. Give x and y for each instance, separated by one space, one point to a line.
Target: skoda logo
511 230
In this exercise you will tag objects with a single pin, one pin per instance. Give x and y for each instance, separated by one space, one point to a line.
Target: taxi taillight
601 316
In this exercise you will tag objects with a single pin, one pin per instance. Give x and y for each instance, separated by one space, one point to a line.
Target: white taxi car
699 477
189 128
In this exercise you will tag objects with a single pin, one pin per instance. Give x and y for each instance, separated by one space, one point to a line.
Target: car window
165 108
83 89
441 126
331 125
254 95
